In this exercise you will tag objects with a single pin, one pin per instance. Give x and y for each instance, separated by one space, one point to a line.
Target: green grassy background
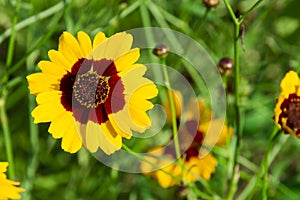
272 44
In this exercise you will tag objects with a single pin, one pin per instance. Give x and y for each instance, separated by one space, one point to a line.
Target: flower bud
123 5
211 3
225 65
161 50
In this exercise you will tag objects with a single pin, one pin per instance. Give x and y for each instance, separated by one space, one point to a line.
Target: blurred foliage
272 46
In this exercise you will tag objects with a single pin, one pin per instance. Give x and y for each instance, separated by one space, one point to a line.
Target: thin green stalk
33 131
269 156
4 93
33 19
237 23
231 12
145 14
11 44
203 19
263 169
265 163
7 138
250 10
298 69
34 159
137 155
173 114
172 107
238 132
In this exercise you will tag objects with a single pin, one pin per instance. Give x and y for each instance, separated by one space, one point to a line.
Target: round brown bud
211 3
225 65
161 50
123 5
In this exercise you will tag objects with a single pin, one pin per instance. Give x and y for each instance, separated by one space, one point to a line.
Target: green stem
250 10
269 156
231 12
238 131
137 155
203 19
7 138
173 115
265 163
172 107
298 69
33 19
34 134
4 93
10 51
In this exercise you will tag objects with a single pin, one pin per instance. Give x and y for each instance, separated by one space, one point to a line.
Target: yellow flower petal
8 188
120 122
84 43
69 47
137 92
71 141
134 73
61 124
98 39
113 47
59 59
51 68
3 167
215 132
200 167
49 96
277 110
41 82
125 61
178 101
107 139
47 112
289 83
166 180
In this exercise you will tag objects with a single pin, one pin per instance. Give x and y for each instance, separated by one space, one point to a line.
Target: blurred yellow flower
8 188
197 162
287 109
195 165
93 93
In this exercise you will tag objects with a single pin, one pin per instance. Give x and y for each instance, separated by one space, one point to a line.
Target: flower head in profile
8 189
93 93
198 162
287 109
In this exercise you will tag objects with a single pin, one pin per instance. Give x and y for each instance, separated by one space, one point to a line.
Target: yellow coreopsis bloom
8 188
197 162
287 109
93 93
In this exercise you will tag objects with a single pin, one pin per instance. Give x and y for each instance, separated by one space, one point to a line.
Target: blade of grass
4 94
177 22
33 19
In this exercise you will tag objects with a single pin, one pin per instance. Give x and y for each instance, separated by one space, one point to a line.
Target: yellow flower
8 188
197 162
93 93
287 109
195 167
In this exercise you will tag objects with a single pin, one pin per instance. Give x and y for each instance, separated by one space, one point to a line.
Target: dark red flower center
92 90
290 108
